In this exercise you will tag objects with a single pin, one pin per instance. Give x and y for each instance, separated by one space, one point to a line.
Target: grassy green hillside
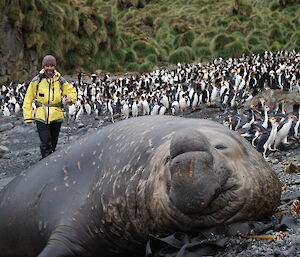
136 35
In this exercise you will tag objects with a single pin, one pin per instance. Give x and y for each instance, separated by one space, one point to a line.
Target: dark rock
242 247
16 64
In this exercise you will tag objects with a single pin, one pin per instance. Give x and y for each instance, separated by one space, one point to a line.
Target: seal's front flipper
56 249
64 242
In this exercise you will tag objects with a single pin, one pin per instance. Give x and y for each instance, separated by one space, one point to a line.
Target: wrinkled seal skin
104 194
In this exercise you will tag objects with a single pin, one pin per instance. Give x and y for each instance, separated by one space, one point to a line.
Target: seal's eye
220 147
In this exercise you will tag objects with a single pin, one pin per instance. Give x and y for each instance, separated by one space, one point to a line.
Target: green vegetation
138 35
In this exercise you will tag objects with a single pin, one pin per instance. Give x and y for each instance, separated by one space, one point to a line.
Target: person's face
49 70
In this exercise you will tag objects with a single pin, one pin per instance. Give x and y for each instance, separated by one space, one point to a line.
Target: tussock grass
182 54
276 46
131 66
31 22
89 27
233 49
294 42
87 47
220 41
143 49
100 35
135 35
187 38
113 67
119 55
69 40
146 67
152 58
33 39
15 16
53 21
259 48
252 41
130 56
275 33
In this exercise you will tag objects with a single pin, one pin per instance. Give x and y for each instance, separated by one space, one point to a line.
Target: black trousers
48 134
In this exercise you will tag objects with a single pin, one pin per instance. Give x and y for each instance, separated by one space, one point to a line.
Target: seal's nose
193 182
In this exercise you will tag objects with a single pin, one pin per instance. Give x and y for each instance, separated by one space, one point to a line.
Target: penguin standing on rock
72 111
87 108
259 130
6 111
111 110
155 109
282 134
146 108
134 109
296 126
125 110
267 139
162 110
182 103
165 101
175 107
79 111
17 108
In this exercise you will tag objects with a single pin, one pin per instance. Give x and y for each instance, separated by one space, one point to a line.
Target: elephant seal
104 194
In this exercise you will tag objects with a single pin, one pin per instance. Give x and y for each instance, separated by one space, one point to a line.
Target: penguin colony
226 84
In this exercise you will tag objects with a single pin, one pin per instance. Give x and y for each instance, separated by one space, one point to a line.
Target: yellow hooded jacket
47 94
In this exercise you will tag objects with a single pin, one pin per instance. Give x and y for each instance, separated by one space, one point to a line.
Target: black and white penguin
283 132
267 138
134 109
125 109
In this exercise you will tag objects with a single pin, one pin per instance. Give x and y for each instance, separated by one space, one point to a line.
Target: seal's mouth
224 202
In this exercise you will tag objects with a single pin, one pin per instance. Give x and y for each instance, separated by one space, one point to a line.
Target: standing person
49 90
79 78
94 78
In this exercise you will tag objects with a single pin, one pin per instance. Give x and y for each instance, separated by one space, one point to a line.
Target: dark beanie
49 60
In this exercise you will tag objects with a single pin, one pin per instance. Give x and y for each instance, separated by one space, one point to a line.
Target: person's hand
67 100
